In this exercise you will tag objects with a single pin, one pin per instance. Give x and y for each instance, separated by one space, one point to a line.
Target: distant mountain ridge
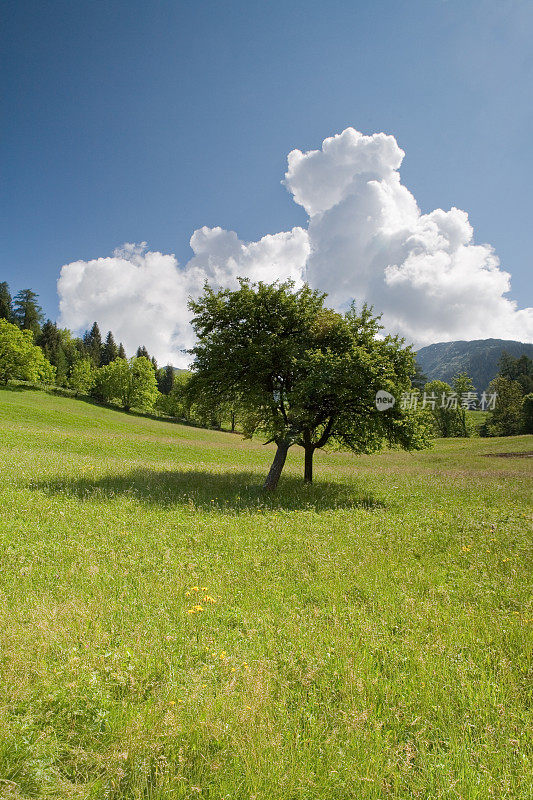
478 358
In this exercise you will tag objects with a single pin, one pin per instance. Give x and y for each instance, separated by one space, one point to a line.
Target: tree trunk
308 467
271 480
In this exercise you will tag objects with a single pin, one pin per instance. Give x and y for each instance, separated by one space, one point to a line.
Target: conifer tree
93 344
109 350
28 314
165 379
121 351
6 306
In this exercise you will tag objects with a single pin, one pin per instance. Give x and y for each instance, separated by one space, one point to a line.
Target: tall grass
365 637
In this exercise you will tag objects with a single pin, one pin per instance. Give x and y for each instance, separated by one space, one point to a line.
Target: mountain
478 358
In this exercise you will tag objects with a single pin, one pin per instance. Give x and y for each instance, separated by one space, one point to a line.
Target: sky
171 123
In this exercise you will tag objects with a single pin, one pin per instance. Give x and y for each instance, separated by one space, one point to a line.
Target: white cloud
224 258
366 239
142 295
369 241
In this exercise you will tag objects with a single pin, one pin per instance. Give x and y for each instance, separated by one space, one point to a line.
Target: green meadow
167 631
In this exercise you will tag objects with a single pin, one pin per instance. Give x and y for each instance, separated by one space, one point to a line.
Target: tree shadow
208 491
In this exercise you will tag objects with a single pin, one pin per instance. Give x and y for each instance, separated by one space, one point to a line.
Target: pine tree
93 344
121 351
49 339
154 363
142 352
165 379
6 307
109 350
28 313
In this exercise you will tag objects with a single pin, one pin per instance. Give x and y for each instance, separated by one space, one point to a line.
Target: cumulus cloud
369 241
142 295
366 240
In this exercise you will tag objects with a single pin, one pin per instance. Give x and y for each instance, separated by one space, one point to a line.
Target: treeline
35 350
508 401
513 390
32 349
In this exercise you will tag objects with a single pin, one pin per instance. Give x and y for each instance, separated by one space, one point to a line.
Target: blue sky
131 121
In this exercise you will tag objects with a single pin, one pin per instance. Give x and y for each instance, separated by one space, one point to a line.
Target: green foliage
527 413
51 340
109 350
82 376
444 414
513 386
121 351
418 379
130 383
20 359
463 387
176 403
28 314
299 372
447 406
6 307
518 369
165 379
507 417
92 342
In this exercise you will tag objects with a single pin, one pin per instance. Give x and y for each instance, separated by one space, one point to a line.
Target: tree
418 379
109 350
301 373
6 306
165 379
507 418
131 383
28 314
92 341
527 413
462 385
121 351
517 369
176 403
50 340
81 377
20 359
142 352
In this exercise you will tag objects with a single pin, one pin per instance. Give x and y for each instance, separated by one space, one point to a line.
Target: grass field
366 637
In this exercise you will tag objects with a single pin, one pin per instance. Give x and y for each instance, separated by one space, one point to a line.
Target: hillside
478 358
167 631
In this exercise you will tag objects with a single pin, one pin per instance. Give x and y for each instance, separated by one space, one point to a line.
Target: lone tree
300 372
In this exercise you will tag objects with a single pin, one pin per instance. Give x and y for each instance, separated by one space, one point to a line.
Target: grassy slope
368 640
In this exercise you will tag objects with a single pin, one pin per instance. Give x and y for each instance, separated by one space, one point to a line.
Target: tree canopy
6 306
20 359
27 313
301 373
131 383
